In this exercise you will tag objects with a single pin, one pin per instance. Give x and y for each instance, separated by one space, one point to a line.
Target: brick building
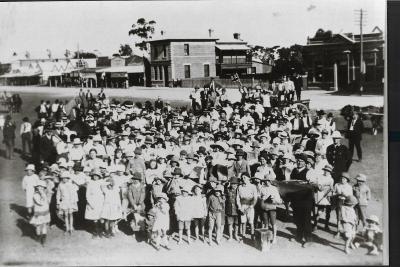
181 59
333 60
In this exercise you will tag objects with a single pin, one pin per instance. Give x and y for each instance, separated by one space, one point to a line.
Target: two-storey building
173 59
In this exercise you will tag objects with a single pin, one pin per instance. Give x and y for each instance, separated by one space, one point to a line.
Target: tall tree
83 54
143 31
125 50
265 54
289 61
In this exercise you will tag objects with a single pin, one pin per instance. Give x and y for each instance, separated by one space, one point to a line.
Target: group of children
162 171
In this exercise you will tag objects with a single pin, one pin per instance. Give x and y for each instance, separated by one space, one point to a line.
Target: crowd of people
218 167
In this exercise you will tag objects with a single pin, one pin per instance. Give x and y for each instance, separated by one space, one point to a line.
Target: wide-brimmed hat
30 167
302 157
137 176
255 143
163 196
149 140
234 180
77 141
240 152
177 171
41 183
336 135
313 133
96 172
219 188
65 174
373 218
346 175
350 201
96 138
328 168
138 151
174 159
361 177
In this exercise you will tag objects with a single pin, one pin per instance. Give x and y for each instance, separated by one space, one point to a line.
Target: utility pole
361 14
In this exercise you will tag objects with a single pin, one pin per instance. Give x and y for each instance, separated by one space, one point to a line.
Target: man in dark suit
302 202
300 172
48 151
354 134
159 104
298 83
338 156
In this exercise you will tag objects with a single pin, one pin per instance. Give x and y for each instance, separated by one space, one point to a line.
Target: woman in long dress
95 199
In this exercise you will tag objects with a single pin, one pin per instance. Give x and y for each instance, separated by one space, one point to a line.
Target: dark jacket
48 151
301 126
136 196
357 130
298 175
339 157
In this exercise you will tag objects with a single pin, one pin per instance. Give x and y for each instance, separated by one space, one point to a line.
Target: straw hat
361 177
336 135
30 167
328 168
373 218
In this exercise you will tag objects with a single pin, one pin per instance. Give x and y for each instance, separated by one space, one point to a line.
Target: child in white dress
28 185
95 199
161 222
41 212
112 209
67 200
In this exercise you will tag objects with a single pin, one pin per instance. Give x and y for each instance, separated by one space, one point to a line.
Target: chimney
236 36
210 31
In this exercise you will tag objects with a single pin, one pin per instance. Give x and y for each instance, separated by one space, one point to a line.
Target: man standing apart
9 136
298 83
354 134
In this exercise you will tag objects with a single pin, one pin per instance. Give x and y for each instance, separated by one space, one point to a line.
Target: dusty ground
18 247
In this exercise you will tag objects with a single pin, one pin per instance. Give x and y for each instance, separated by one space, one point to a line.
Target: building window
155 73
206 70
165 51
227 59
186 49
161 73
240 59
187 71
155 52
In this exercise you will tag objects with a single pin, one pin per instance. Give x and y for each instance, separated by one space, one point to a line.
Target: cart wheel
301 107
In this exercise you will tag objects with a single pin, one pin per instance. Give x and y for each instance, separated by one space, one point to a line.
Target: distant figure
354 134
9 136
101 96
298 84
26 136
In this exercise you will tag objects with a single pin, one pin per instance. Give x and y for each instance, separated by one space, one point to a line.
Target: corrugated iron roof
127 69
232 47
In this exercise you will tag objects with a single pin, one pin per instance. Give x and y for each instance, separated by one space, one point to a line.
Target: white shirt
26 127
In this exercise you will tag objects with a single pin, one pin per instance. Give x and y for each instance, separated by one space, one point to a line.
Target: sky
103 26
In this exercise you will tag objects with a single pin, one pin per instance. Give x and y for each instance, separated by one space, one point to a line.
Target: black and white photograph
193 133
